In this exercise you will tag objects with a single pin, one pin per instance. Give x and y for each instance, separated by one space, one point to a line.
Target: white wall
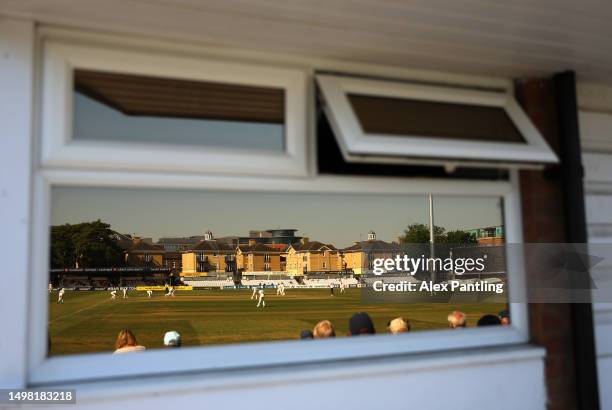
599 219
16 54
595 104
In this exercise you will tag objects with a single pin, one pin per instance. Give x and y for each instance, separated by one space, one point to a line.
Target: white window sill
237 381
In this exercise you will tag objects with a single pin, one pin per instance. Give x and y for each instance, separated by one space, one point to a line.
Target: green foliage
460 237
63 254
86 245
419 233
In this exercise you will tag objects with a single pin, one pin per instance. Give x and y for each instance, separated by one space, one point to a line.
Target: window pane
195 262
133 108
408 117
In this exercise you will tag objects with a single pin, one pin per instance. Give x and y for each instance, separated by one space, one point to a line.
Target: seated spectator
488 320
172 339
457 319
504 316
323 330
399 325
361 324
306 334
126 343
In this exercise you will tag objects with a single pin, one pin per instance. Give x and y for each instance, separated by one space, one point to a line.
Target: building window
186 113
428 124
128 108
235 188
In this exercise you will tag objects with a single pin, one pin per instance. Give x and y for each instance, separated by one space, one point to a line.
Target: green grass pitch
89 321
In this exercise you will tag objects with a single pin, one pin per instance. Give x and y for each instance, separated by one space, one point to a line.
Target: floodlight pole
431 237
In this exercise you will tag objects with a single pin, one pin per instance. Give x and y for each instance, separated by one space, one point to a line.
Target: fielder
170 291
60 296
124 293
261 300
50 288
279 289
113 294
342 286
254 295
150 293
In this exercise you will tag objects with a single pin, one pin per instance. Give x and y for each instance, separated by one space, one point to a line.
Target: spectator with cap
457 319
488 320
504 316
126 343
399 325
323 330
172 339
361 324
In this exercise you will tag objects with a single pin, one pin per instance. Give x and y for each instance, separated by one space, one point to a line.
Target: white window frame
58 369
359 146
59 149
74 167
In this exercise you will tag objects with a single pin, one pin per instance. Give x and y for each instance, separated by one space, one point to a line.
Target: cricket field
88 321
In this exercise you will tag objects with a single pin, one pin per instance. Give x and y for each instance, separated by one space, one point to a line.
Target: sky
339 219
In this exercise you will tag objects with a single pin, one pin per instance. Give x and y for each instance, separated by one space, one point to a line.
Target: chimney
305 240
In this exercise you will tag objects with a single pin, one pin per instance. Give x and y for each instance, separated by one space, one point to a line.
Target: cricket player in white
150 293
341 285
170 291
254 295
282 289
124 293
279 289
261 300
60 296
50 288
113 294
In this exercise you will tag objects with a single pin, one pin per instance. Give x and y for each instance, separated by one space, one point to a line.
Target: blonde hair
125 338
399 325
457 319
324 329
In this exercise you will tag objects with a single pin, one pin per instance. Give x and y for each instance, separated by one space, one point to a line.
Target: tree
62 248
88 245
460 237
419 233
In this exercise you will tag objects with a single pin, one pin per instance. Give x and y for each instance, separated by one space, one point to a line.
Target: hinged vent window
415 123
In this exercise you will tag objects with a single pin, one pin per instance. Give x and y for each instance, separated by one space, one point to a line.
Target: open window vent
402 123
